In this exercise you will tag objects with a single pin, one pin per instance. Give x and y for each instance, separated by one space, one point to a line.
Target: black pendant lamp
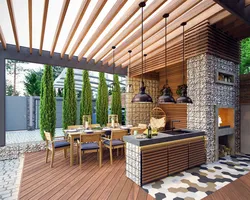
129 87
142 96
112 85
184 99
166 97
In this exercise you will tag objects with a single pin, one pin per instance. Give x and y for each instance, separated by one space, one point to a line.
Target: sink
176 132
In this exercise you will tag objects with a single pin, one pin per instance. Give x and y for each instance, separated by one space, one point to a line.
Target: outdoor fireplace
225 131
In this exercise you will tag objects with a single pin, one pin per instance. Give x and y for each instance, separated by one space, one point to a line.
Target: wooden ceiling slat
129 13
59 25
173 29
175 8
105 22
219 16
30 23
78 19
247 3
2 38
97 9
45 13
136 22
154 43
13 23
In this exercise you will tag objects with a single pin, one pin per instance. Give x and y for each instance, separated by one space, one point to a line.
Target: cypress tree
102 101
69 100
86 96
47 103
116 106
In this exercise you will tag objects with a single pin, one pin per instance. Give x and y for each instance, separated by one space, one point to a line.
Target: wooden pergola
125 33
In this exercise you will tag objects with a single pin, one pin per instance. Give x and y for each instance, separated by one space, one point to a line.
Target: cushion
157 123
114 142
89 146
59 144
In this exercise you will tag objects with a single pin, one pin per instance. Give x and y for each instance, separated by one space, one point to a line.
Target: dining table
74 134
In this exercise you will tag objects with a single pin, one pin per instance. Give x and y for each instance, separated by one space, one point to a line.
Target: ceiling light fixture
129 87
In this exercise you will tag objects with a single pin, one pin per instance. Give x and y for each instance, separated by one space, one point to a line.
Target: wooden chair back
116 124
48 136
143 126
118 134
74 126
95 125
93 137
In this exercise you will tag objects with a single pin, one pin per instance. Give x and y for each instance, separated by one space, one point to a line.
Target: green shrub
116 105
47 103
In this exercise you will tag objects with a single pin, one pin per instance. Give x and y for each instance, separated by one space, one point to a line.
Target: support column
2 101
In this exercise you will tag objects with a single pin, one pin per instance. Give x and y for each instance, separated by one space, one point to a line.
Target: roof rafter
30 23
105 22
94 14
198 10
2 38
59 25
13 23
154 26
134 24
122 21
154 47
45 12
151 27
79 16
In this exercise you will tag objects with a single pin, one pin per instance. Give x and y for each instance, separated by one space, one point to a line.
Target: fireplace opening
224 146
225 118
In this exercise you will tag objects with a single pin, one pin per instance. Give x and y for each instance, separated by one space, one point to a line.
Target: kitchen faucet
172 126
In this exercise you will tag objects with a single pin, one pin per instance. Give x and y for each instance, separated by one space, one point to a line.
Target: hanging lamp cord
113 47
183 54
166 71
142 42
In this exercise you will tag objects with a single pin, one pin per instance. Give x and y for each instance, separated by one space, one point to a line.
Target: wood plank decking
237 190
39 181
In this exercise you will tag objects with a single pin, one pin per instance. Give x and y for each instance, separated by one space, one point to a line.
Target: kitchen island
167 153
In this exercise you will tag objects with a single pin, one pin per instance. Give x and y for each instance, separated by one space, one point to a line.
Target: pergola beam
2 38
122 21
105 22
77 21
197 14
59 25
13 23
133 25
45 12
94 14
30 23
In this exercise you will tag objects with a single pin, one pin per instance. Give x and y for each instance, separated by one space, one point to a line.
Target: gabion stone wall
206 94
137 113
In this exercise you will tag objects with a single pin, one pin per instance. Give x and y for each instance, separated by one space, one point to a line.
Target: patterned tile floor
197 183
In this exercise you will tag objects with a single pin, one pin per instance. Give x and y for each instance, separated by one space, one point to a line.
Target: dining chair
74 127
115 142
110 124
55 145
89 143
95 125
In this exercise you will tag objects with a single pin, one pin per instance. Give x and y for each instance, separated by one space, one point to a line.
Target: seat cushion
89 146
114 142
59 144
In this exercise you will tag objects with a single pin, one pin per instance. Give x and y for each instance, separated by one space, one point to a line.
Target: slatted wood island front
148 160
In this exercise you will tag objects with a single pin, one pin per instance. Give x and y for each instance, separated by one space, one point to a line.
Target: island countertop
163 137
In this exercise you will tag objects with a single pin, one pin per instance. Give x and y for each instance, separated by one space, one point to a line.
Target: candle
86 124
113 123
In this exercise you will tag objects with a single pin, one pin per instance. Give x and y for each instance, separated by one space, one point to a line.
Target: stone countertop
162 137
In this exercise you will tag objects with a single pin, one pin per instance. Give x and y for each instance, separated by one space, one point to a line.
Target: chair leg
100 158
52 158
80 160
111 156
117 152
47 154
65 153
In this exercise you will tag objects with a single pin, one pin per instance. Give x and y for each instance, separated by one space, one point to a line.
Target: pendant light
183 98
166 97
142 96
129 87
113 85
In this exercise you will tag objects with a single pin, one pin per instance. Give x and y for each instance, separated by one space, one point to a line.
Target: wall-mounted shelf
223 77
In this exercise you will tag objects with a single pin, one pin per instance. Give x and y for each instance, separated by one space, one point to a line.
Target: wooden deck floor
237 190
39 181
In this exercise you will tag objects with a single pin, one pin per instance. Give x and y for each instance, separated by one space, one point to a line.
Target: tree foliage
116 105
102 101
69 100
86 96
47 103
32 83
245 56
10 90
